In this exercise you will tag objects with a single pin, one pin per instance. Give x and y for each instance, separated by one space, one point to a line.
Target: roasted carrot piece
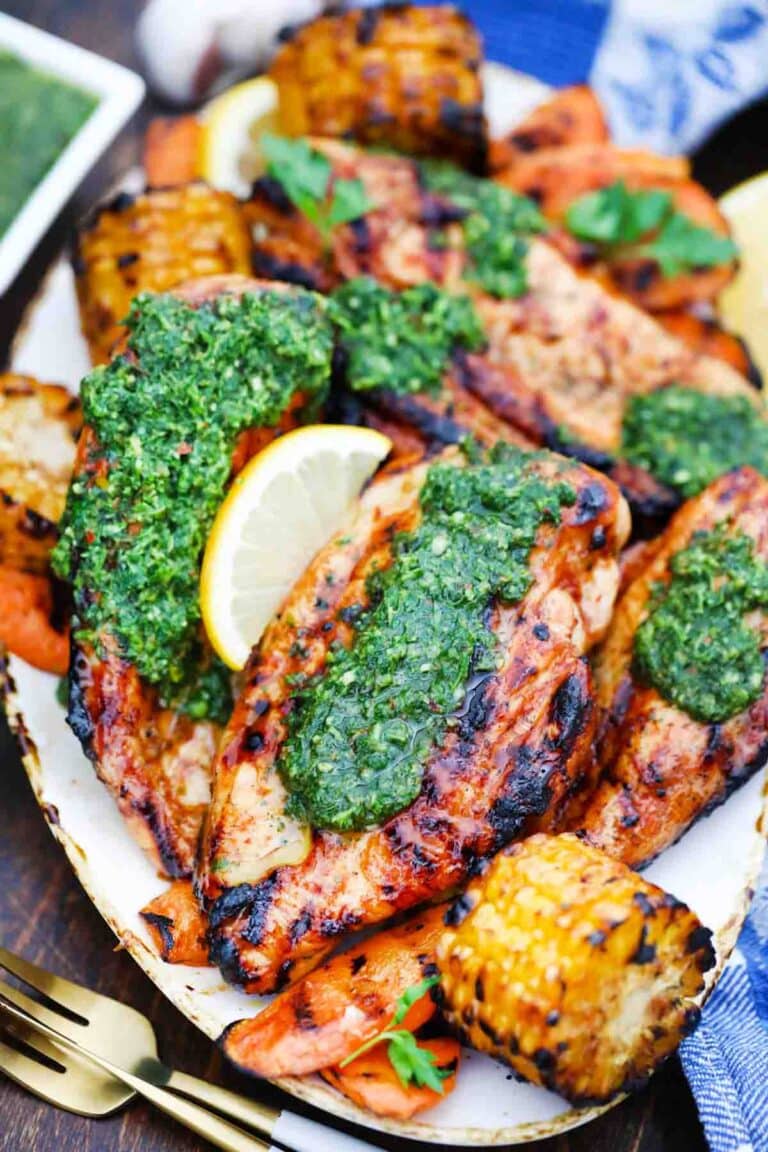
573 116
26 621
707 338
555 177
171 151
327 1015
372 1082
178 925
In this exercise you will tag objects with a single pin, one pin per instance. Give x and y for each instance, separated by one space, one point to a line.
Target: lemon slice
233 123
285 504
744 303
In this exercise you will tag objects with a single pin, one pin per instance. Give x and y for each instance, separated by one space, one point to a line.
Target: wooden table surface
43 911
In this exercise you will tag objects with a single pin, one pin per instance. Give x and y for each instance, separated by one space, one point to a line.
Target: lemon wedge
285 504
744 303
233 123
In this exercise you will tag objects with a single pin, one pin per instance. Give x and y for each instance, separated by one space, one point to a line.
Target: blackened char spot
300 927
645 953
358 963
271 191
164 924
569 712
361 233
435 427
541 631
254 741
592 457
436 212
526 792
596 938
458 911
302 1010
592 500
367 25
259 907
272 268
225 954
230 903
78 713
644 904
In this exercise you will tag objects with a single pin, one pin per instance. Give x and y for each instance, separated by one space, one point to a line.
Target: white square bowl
119 92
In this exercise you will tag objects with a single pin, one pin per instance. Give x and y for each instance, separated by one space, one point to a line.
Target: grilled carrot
172 151
573 116
26 626
707 338
371 1080
178 926
325 1017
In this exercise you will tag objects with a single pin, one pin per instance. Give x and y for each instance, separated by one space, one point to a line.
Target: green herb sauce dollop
401 341
39 116
167 417
361 733
496 226
687 439
695 647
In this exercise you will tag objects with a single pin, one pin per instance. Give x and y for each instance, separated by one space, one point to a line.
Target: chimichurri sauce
687 439
496 223
166 418
695 646
39 115
360 735
401 341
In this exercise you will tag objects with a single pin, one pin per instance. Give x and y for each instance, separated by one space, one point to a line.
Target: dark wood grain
43 911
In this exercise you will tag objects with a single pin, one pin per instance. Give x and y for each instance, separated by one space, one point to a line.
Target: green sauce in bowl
39 116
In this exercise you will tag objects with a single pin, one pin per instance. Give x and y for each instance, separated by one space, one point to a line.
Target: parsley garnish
410 1062
645 223
305 176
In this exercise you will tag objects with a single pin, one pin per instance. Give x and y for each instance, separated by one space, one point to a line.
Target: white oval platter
713 868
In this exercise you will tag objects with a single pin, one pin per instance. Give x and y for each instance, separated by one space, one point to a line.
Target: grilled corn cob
151 243
573 969
399 75
39 424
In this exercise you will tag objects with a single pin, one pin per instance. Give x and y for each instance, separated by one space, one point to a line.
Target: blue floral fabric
667 71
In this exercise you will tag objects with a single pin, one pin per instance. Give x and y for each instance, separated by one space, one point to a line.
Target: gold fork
114 1034
218 1132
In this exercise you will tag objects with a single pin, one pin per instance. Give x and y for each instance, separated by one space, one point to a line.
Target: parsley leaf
410 1062
616 218
411 995
305 176
681 244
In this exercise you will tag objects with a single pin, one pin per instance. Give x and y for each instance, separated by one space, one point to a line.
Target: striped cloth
668 72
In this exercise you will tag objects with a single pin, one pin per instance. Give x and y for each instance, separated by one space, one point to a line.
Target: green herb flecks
361 734
686 438
39 116
401 341
496 225
305 176
645 224
411 1063
165 419
695 647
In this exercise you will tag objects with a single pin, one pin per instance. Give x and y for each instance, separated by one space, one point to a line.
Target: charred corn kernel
152 243
572 968
403 76
39 424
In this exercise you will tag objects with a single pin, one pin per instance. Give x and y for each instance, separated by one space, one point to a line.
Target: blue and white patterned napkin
669 72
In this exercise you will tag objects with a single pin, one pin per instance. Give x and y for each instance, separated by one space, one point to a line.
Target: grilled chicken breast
520 752
155 760
661 768
562 360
